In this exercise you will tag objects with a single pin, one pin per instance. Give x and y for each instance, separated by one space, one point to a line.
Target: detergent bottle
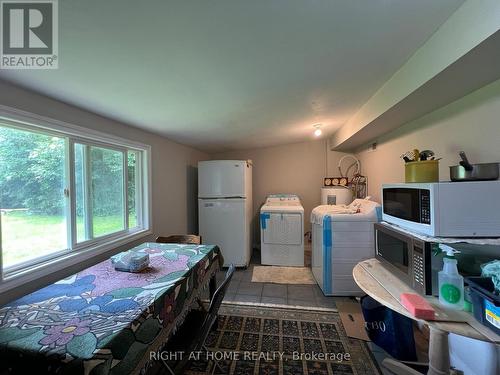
451 284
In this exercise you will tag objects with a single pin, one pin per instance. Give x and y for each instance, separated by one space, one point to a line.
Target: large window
32 200
100 203
63 193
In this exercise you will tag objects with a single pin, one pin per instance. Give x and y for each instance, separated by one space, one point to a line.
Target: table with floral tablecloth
103 321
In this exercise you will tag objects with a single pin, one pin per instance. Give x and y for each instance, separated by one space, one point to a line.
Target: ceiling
230 74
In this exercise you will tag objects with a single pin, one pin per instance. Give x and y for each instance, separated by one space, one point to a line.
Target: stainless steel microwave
408 258
444 209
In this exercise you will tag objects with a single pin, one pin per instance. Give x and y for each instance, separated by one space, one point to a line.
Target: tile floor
242 289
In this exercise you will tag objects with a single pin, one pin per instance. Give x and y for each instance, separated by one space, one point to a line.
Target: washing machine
282 231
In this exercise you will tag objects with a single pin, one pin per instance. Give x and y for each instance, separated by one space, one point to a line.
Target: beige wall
471 123
174 172
296 168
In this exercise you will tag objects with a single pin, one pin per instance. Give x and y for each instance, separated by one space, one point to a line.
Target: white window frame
43 266
75 245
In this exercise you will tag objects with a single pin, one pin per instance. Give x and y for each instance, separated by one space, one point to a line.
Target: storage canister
422 171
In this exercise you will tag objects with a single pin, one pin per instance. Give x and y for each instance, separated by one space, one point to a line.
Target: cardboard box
352 319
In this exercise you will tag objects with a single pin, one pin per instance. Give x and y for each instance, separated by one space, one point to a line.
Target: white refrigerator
225 208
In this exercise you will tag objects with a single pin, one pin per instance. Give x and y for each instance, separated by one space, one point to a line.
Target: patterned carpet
265 340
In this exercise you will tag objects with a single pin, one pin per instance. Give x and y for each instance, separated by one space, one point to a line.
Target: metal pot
479 172
473 172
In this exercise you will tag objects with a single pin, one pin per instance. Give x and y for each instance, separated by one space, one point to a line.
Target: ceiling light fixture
317 131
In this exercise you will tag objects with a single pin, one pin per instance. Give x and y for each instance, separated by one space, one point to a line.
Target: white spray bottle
451 284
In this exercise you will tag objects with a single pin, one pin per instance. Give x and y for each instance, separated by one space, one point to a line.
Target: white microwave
444 209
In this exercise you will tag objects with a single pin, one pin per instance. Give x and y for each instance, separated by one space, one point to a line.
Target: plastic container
130 261
485 304
422 171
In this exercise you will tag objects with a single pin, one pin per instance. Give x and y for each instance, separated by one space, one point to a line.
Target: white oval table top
380 284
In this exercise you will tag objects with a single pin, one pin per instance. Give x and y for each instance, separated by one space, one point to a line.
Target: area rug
264 340
282 275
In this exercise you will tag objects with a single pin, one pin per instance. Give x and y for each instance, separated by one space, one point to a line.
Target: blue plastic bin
485 303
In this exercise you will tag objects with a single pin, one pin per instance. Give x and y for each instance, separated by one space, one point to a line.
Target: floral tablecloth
102 321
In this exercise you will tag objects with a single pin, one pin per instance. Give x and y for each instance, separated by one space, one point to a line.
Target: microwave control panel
418 268
425 206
